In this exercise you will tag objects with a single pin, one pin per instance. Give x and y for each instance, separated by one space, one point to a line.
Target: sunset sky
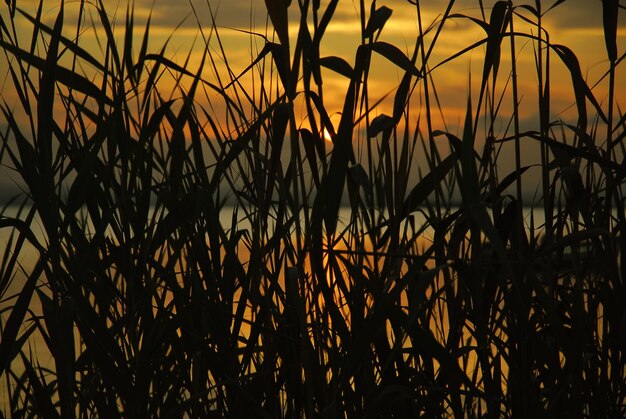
574 23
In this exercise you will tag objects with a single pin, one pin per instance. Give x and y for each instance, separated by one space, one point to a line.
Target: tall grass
143 301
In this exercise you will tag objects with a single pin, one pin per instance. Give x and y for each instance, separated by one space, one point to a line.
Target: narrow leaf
16 318
277 10
427 185
581 89
338 65
393 54
609 21
377 21
379 124
402 94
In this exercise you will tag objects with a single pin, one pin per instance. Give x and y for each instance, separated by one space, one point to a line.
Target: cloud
576 14
576 23
240 14
246 13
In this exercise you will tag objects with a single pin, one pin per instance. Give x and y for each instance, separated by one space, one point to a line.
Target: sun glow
327 136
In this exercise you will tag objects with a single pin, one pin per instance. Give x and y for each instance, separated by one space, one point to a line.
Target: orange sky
575 23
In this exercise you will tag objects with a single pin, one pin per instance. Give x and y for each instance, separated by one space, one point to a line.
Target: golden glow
327 136
576 24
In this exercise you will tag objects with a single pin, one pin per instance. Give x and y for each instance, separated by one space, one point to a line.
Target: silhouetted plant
190 260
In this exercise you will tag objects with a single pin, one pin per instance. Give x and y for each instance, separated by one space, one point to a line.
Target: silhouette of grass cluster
188 258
